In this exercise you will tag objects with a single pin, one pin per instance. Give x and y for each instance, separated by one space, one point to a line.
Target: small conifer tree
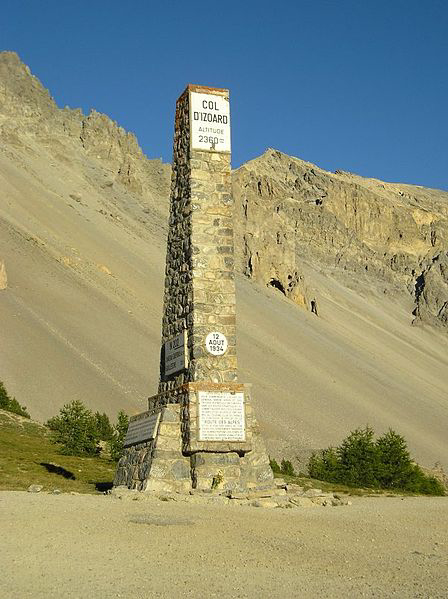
119 434
358 458
104 427
10 403
287 468
395 464
274 466
384 463
75 428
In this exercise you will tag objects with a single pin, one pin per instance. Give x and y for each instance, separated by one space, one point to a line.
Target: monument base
198 436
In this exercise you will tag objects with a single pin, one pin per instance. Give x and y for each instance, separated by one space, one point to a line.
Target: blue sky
353 85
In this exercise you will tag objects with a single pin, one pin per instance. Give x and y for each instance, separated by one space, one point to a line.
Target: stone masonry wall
199 274
178 294
213 264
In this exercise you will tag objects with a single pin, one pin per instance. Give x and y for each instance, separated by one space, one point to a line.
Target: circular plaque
216 343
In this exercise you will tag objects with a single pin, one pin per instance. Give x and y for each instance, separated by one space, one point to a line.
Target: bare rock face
3 277
431 292
22 94
104 139
363 231
27 109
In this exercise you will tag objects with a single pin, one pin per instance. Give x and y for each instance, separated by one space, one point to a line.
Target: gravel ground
100 546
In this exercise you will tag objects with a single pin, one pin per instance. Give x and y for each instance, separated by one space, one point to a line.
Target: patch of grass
329 487
27 456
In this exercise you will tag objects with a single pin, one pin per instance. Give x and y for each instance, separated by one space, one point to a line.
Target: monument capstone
199 431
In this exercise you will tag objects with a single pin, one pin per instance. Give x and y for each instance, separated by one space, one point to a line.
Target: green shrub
287 468
103 426
324 466
385 463
358 459
119 433
419 482
274 466
75 428
395 465
10 403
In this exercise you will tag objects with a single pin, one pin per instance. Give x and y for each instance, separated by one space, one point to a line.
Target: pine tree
358 458
395 465
75 429
104 427
10 403
119 434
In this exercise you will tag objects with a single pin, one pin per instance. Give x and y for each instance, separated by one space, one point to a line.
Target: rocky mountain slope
363 231
82 243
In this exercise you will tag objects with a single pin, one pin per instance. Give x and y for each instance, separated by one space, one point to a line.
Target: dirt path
98 546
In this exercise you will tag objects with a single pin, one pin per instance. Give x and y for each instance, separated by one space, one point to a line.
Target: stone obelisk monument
199 431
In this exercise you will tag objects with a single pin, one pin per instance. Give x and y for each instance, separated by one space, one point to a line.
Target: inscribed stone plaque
216 343
142 429
210 122
175 354
221 416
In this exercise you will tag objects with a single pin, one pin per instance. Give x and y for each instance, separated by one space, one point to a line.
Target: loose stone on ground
284 496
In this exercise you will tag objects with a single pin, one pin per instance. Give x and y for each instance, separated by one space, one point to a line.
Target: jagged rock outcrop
105 140
364 231
21 93
431 292
27 109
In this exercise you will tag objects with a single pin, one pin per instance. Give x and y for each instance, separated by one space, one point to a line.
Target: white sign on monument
216 343
209 122
142 429
176 354
221 416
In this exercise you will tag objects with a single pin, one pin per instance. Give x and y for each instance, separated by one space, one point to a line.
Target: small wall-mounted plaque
142 428
221 416
176 354
216 343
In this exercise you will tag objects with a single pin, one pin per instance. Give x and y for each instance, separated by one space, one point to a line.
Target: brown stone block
200 318
230 376
211 274
204 308
196 163
198 352
170 443
211 470
227 274
201 186
225 249
225 232
218 210
214 261
169 429
200 175
228 320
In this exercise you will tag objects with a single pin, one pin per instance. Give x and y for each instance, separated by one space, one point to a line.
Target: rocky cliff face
363 231
27 110
431 291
